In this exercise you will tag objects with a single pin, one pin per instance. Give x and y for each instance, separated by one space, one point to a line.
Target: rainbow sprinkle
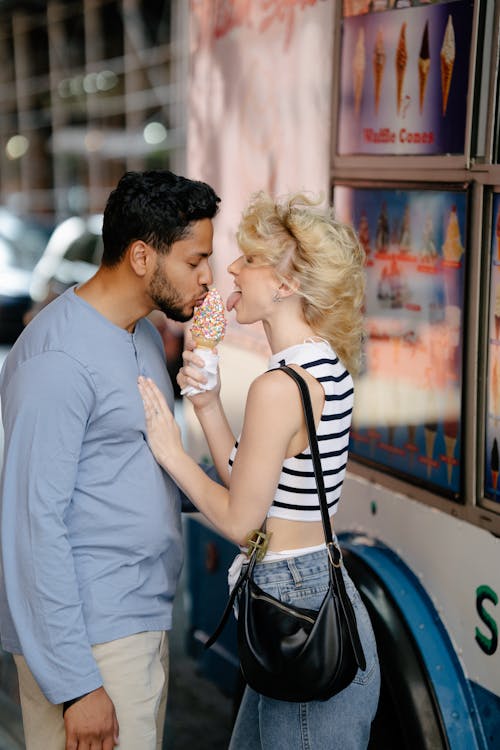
209 321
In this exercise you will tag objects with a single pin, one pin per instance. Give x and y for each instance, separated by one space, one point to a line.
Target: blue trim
452 690
488 705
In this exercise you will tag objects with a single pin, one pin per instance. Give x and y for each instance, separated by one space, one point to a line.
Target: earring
276 297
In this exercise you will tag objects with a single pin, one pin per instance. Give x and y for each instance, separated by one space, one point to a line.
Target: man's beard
166 298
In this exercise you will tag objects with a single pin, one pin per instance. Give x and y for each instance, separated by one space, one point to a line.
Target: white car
72 256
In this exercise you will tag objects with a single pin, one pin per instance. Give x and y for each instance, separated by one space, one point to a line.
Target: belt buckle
258 542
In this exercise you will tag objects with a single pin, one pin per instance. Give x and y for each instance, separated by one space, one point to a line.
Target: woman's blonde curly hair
305 242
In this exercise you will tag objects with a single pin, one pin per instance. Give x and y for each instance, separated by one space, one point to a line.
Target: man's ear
140 257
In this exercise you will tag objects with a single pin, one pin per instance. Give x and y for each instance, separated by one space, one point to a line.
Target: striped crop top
296 497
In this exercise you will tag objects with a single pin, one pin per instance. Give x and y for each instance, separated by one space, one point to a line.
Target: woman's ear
289 286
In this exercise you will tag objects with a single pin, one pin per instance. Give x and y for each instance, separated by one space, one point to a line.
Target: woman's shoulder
273 403
272 384
276 391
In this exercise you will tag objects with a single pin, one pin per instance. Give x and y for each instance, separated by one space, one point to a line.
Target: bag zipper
283 607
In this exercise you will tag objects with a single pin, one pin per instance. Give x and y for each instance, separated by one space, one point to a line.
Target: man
90 525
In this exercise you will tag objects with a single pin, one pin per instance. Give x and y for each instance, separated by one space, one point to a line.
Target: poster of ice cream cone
403 75
407 415
492 436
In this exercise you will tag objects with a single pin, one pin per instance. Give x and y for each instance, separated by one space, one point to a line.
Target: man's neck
114 297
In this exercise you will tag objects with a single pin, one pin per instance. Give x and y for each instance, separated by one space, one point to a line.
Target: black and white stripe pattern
296 496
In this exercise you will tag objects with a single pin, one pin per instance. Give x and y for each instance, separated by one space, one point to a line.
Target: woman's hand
191 375
163 433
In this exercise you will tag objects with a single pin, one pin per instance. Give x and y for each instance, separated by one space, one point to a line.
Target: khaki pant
135 676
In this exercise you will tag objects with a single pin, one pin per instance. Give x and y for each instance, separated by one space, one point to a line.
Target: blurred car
72 256
22 242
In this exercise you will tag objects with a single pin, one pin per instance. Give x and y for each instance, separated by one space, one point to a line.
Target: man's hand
91 723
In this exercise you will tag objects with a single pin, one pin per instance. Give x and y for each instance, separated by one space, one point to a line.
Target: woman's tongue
232 300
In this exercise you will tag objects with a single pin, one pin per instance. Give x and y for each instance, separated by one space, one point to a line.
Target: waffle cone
430 438
358 89
446 75
203 343
378 74
423 74
358 69
400 79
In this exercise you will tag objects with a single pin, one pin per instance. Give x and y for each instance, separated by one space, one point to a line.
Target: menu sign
407 413
492 467
404 76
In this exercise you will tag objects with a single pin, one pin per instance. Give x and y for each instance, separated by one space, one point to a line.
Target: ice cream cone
378 67
450 442
423 73
494 480
364 234
497 327
424 65
405 236
430 439
207 330
452 246
428 249
358 70
494 389
203 343
401 62
209 322
446 74
447 56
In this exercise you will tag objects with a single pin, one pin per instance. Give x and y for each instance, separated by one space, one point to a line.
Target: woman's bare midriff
294 534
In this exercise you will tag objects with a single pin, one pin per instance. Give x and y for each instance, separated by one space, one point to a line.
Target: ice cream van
390 110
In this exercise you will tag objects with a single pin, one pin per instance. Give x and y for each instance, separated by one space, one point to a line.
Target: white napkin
211 361
234 571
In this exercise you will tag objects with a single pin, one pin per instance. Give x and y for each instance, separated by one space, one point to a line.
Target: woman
301 274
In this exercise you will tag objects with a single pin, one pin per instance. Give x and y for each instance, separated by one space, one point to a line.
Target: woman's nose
232 267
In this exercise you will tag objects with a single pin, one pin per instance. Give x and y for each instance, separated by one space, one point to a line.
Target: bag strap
313 444
229 606
334 553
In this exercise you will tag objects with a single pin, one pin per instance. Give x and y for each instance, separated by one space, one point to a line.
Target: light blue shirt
90 524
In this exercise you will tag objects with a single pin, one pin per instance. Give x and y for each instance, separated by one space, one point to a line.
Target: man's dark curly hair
156 207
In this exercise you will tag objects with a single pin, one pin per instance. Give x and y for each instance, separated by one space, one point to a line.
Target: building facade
88 89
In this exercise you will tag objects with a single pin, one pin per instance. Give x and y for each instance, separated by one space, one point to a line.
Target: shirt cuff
68 704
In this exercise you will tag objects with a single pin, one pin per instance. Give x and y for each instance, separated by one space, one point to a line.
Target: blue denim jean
340 723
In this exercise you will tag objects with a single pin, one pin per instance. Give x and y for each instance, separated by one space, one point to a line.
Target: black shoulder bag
290 653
